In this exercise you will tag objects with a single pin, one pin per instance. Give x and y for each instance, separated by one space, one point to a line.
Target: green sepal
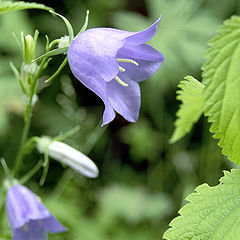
68 25
52 53
58 70
84 27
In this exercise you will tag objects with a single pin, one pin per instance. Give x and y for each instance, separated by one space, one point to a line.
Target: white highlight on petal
126 60
121 81
70 156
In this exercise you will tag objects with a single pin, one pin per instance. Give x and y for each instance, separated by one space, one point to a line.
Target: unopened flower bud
28 49
64 42
69 156
28 71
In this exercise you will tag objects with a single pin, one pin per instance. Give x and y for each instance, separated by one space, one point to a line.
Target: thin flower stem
27 120
5 168
31 172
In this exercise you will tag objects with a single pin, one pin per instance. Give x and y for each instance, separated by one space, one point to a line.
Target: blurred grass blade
9 6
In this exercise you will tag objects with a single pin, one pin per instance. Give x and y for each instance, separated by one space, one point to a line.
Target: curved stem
27 120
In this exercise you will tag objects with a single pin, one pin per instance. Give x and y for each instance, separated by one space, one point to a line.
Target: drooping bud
69 156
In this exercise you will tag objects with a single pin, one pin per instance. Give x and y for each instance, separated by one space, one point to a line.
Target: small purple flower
111 62
29 219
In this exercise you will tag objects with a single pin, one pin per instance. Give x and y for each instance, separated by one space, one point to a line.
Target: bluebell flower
29 219
111 62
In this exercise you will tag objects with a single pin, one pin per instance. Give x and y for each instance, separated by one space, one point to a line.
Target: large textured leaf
212 214
9 6
191 96
221 76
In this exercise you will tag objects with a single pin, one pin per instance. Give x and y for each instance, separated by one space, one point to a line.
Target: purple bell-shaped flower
29 219
111 62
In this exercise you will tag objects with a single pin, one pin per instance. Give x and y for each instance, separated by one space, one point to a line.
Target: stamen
121 69
126 60
121 81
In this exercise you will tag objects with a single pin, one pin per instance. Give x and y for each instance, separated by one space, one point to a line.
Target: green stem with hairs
27 120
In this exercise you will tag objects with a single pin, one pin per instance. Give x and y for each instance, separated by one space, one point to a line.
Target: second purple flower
111 62
29 219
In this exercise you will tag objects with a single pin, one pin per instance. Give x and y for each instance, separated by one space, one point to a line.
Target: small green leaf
191 96
213 212
9 6
221 76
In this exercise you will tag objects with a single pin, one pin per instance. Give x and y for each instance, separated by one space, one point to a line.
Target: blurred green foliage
143 179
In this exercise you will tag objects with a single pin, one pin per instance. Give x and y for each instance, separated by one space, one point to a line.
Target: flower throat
121 69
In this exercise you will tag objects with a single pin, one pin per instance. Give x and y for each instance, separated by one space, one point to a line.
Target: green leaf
213 212
9 6
221 76
191 96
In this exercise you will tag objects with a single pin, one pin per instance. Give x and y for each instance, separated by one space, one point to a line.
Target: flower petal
125 100
95 50
143 36
52 225
90 78
147 57
23 205
31 231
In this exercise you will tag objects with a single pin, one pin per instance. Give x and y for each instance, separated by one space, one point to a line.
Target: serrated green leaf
213 212
221 76
9 6
191 96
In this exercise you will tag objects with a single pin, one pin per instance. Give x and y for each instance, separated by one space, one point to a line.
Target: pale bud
69 156
29 49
